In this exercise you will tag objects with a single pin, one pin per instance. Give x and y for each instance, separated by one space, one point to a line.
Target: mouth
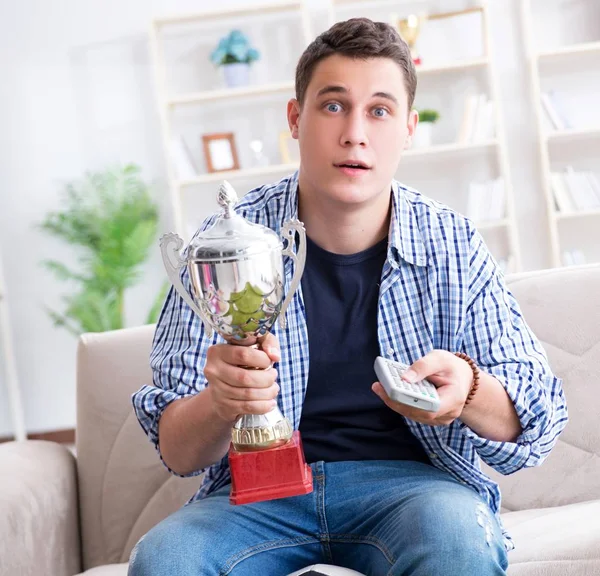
352 167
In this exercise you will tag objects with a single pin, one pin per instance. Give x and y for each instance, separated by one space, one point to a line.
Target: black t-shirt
342 418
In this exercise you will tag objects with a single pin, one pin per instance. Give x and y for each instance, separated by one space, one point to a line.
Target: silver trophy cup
236 273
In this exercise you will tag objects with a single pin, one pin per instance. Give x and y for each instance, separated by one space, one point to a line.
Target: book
478 119
562 197
486 201
554 111
465 132
498 202
581 190
182 159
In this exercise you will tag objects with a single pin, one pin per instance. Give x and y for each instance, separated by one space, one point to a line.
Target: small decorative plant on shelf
428 115
427 118
235 55
111 221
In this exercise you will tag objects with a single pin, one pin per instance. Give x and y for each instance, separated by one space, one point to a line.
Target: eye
333 107
380 112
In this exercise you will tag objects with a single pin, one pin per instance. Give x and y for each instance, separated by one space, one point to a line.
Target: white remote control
422 394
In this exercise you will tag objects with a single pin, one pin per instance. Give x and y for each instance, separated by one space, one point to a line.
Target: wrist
474 374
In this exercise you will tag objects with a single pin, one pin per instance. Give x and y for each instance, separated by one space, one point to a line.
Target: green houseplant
428 115
234 54
111 220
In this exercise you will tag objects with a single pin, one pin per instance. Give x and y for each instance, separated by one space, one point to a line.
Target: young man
389 272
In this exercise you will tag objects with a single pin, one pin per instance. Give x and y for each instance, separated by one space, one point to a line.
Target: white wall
60 117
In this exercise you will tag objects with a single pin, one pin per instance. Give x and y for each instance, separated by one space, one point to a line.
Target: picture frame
288 148
220 152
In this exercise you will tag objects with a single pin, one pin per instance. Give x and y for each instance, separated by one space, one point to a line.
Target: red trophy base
268 474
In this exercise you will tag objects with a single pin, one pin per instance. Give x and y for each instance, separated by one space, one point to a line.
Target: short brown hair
357 38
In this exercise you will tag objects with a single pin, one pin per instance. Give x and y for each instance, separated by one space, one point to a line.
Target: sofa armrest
39 524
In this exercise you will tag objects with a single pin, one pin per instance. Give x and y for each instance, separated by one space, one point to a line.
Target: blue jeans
377 517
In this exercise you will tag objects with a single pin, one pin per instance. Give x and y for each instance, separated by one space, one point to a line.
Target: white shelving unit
577 228
452 157
8 368
471 159
170 103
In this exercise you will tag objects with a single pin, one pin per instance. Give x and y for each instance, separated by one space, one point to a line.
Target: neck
342 229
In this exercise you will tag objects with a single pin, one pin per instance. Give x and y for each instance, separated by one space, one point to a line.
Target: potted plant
111 220
235 55
422 135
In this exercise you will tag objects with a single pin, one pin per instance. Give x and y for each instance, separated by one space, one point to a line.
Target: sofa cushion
124 490
562 307
555 541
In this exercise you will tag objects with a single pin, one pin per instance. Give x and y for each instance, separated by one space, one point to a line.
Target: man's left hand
451 376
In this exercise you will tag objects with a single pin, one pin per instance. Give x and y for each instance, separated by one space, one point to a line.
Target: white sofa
60 515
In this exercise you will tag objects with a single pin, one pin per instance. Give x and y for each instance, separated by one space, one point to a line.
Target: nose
354 132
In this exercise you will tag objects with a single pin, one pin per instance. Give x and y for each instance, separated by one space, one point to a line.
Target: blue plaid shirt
440 289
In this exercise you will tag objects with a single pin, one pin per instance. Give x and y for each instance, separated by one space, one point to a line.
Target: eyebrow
341 90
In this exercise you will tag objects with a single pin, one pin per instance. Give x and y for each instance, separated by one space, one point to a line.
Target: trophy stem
253 432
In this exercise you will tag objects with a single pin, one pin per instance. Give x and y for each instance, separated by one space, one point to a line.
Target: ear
413 121
293 116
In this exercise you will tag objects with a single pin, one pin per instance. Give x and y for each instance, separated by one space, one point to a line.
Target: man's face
352 128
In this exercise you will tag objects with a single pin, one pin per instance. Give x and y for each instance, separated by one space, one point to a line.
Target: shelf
572 134
464 65
492 224
574 49
238 174
259 9
449 149
227 93
580 214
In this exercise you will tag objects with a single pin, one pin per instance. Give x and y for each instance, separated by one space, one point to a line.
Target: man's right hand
236 390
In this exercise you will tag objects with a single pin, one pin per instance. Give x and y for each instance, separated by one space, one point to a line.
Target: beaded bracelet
475 370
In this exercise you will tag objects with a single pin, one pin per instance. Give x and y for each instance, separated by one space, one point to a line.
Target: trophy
409 29
237 277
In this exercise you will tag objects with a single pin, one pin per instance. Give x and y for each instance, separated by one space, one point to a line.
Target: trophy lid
232 237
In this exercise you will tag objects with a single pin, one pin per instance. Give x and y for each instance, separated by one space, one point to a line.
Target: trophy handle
288 231
170 244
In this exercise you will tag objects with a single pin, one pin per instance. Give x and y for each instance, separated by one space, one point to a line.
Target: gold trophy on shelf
410 28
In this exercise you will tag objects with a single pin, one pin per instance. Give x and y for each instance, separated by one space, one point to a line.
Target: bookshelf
563 51
8 367
469 173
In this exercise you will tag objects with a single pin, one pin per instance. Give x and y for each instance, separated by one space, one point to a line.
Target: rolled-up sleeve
177 360
497 336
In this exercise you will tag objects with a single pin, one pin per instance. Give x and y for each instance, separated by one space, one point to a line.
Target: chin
352 192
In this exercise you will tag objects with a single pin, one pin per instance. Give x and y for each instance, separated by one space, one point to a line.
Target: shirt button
432 456
390 352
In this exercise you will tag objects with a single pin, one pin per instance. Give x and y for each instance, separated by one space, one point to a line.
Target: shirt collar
405 242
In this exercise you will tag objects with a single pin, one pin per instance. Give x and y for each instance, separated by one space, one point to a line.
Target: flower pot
422 135
237 74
